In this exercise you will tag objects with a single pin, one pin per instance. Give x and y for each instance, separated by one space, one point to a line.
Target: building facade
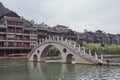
99 37
17 36
44 31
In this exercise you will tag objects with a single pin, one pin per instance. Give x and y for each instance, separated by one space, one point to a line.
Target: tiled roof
13 19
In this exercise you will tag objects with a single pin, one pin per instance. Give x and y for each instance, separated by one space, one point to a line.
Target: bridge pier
42 60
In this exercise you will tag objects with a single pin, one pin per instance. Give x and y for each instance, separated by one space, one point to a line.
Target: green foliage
3 9
94 47
73 42
53 50
112 48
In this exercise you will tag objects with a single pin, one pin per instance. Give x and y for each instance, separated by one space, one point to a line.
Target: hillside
3 9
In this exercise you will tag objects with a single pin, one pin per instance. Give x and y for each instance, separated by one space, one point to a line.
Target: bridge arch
70 58
45 52
41 50
35 58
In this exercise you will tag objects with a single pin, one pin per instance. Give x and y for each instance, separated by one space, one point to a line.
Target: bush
95 47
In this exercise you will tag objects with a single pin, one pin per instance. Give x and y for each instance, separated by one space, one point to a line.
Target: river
22 70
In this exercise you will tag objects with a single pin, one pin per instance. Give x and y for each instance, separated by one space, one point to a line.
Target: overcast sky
77 14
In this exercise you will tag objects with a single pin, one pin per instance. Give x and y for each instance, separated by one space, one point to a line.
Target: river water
22 70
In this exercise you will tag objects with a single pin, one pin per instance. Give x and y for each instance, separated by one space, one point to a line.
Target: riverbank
5 58
111 55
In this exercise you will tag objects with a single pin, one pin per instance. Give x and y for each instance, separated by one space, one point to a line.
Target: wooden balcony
18 26
3 26
2 32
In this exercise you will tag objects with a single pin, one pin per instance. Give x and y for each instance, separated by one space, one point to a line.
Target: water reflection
57 71
13 70
45 71
21 70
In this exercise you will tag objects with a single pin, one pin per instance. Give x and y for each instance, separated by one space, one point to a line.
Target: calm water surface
22 70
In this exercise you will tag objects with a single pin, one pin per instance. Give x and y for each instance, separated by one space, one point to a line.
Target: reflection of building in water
35 71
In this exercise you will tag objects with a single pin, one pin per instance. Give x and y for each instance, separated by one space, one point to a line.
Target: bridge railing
56 39
80 52
88 55
73 47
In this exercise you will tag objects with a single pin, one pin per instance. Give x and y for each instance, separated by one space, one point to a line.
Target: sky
77 14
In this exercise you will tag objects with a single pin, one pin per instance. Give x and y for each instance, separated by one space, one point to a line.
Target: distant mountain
3 9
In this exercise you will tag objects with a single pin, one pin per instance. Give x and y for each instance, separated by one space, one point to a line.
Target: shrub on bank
95 47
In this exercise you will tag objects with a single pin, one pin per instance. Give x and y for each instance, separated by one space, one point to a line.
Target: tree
92 46
113 48
53 51
3 9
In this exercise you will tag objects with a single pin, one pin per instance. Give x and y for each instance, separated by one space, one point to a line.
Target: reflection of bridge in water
67 50
57 71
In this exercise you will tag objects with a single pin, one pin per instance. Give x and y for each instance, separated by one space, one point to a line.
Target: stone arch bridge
67 51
